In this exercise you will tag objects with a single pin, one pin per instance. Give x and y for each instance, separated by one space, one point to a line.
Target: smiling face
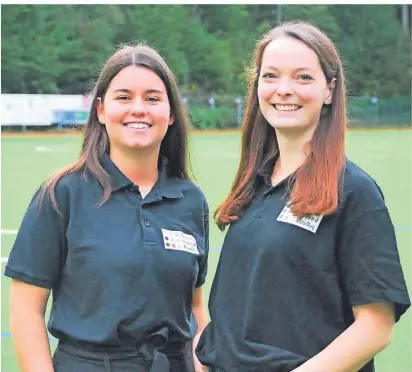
292 87
135 110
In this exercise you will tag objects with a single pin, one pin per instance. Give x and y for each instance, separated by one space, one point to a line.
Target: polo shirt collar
165 186
266 169
118 179
265 172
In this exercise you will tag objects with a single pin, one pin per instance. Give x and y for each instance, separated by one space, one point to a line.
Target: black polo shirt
120 271
285 287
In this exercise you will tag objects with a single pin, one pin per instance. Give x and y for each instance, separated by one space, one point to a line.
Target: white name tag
178 240
310 222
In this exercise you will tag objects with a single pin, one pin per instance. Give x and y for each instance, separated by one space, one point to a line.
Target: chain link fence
226 112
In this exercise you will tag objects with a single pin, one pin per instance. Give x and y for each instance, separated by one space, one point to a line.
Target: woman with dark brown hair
309 277
120 237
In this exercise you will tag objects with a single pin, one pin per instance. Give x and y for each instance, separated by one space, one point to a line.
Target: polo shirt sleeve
201 277
368 256
38 254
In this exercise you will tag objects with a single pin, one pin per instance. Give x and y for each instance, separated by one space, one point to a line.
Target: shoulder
66 187
360 192
191 193
189 188
357 181
194 189
70 182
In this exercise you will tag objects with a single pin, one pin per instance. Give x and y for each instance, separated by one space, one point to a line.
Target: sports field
386 155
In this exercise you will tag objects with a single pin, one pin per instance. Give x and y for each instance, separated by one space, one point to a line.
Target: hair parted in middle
96 141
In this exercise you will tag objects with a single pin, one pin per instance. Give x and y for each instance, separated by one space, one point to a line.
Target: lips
286 107
138 125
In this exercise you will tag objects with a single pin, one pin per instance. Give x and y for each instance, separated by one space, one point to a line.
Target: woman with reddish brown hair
309 278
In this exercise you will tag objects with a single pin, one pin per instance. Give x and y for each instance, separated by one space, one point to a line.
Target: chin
136 146
143 146
291 127
285 124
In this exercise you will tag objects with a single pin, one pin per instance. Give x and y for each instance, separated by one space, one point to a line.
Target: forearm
199 311
201 318
31 342
351 350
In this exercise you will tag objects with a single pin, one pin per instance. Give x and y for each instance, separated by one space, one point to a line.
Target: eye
152 99
123 98
305 77
269 75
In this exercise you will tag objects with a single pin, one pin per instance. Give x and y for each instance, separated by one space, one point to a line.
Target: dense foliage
60 48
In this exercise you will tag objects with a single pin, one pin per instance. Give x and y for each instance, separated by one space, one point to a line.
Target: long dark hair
96 141
317 181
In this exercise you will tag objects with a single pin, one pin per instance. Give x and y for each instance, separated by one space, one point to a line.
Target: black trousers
76 357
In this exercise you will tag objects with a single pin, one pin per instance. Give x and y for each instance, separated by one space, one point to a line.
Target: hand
199 367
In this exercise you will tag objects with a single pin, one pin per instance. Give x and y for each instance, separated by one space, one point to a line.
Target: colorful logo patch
310 222
178 240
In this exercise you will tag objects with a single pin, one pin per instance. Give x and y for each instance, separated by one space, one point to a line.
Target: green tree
86 42
160 26
319 15
29 52
61 48
375 52
55 49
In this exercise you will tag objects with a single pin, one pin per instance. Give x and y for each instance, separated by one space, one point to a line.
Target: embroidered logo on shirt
180 241
310 222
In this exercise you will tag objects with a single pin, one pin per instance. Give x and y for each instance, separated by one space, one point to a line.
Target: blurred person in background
120 237
309 278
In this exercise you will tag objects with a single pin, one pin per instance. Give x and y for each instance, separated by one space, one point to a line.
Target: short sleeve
38 254
201 278
369 262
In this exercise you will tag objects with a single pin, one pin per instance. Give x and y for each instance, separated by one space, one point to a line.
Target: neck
291 153
140 168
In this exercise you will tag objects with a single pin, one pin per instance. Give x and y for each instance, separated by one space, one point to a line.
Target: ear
100 111
171 119
331 89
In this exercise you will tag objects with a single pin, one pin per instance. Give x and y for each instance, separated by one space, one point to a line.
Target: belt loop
106 361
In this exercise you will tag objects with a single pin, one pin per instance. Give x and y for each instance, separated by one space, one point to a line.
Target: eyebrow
125 90
296 70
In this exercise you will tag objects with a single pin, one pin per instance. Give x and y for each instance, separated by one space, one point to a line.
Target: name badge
178 240
310 222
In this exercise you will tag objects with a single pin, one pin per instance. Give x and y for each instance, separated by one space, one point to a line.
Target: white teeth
137 125
286 107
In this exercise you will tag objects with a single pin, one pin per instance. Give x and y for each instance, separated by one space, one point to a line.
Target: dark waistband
156 351
170 348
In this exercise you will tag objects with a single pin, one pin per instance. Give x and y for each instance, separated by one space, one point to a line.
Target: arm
369 334
27 309
199 311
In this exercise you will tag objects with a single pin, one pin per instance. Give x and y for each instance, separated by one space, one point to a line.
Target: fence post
375 102
212 103
238 101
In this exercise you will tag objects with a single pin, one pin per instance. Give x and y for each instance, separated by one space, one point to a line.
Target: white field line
8 232
42 149
217 155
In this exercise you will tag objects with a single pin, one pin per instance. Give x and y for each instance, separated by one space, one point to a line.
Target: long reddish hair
316 183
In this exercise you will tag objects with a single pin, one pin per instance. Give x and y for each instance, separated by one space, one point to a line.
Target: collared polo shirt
285 287
119 271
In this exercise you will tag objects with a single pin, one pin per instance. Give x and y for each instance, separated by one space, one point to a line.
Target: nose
284 87
138 107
